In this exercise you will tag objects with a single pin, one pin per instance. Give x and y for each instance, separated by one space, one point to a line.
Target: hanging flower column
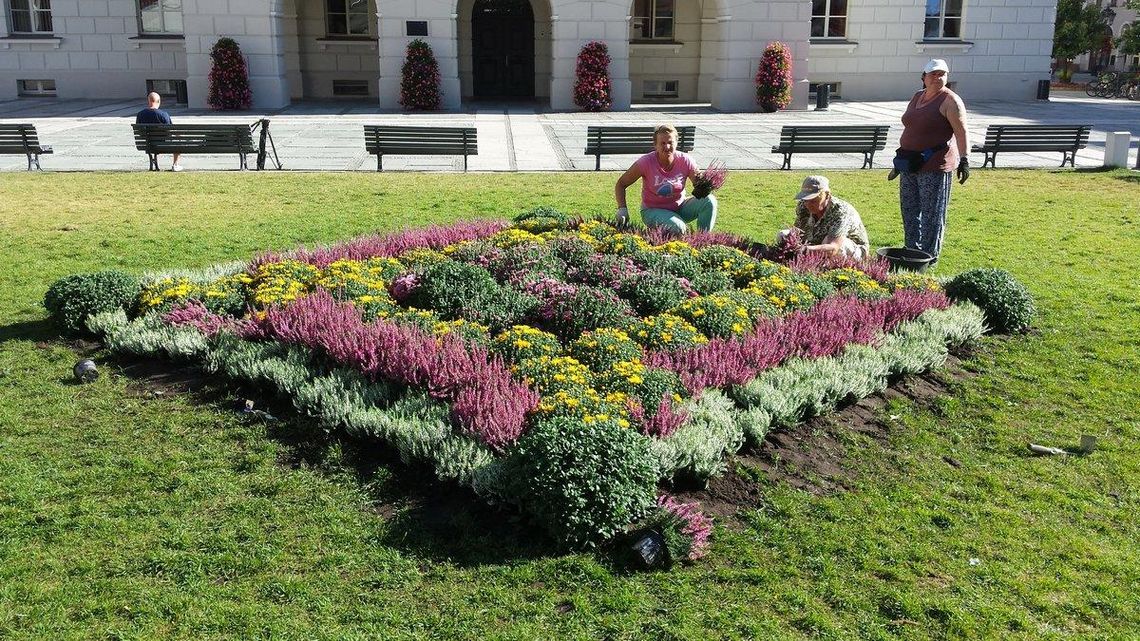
419 86
592 87
774 78
229 77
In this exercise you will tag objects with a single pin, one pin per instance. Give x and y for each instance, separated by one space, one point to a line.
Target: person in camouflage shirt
826 223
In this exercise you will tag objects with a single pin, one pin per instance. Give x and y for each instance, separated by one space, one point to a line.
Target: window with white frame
160 16
828 18
943 19
652 20
347 17
31 16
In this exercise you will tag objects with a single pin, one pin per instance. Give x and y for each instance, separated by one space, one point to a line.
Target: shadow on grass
423 516
1130 178
39 331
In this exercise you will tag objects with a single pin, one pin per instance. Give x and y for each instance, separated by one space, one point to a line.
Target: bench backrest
205 138
632 140
1044 137
395 139
834 137
18 137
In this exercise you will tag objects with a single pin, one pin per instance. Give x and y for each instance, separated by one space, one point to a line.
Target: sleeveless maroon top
924 127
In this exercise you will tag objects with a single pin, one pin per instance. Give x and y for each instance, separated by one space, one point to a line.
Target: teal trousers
702 210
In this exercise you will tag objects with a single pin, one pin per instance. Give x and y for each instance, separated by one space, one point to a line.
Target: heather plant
666 332
419 82
523 342
584 482
601 349
592 77
585 308
716 316
652 293
1008 305
229 77
709 179
72 299
604 270
697 447
774 77
390 245
683 528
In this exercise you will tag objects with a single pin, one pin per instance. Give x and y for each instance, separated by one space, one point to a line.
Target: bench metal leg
153 161
36 161
787 161
243 166
991 160
464 163
597 162
868 159
1069 157
379 162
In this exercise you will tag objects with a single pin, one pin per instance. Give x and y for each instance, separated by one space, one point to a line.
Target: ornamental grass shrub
229 77
584 482
1008 305
592 78
419 82
72 299
774 77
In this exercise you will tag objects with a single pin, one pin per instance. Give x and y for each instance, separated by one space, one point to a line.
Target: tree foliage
1129 40
1079 28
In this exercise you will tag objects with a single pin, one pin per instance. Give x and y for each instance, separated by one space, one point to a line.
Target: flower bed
561 365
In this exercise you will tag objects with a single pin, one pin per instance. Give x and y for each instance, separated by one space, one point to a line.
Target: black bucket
905 259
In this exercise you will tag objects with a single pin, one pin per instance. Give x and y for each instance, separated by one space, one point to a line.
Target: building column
443 37
257 26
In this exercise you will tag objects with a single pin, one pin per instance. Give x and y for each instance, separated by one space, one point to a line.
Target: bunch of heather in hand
229 78
684 528
710 179
592 86
790 247
419 85
774 78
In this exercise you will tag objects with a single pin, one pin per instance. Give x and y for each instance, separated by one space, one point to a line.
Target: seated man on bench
663 173
152 115
827 224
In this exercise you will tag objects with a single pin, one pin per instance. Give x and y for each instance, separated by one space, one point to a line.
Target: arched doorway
502 53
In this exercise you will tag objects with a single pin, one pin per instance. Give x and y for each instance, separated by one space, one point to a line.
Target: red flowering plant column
419 85
774 78
229 77
592 87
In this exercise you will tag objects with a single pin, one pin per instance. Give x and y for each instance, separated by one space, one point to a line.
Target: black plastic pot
905 259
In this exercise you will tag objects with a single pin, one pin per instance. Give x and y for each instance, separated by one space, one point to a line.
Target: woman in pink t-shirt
663 173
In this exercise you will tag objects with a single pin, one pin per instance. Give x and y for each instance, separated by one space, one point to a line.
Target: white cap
812 187
936 64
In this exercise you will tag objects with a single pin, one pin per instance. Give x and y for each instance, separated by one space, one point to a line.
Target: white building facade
662 50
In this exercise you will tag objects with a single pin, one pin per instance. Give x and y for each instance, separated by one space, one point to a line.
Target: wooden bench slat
602 139
420 141
21 139
816 139
1067 139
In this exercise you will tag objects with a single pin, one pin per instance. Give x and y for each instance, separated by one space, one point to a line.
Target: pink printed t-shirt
664 189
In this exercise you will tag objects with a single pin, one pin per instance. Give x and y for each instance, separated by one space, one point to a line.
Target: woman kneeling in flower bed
663 173
825 223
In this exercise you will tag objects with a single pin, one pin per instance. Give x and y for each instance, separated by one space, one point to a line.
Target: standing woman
663 173
934 139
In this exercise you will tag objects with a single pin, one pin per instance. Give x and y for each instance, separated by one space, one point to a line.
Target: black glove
963 171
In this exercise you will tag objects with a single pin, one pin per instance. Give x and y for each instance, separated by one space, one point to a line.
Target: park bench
194 139
827 139
630 140
420 141
1066 139
22 140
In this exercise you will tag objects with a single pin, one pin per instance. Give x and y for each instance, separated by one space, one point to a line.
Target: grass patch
127 515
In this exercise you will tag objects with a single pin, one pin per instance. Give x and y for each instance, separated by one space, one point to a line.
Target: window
659 89
350 87
172 91
42 88
829 18
652 20
160 16
31 16
347 17
943 19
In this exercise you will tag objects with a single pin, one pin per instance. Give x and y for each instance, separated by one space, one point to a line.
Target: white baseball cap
936 64
812 187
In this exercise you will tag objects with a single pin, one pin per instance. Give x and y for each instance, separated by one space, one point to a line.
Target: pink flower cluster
486 401
696 525
824 330
877 267
193 313
663 423
592 87
774 77
387 245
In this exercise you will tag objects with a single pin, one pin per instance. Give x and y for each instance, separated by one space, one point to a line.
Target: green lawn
125 515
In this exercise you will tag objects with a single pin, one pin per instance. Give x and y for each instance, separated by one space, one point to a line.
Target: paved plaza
96 135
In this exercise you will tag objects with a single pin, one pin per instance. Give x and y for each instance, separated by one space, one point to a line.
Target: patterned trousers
923 198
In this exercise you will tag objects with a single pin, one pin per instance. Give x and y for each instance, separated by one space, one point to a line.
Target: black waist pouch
913 161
